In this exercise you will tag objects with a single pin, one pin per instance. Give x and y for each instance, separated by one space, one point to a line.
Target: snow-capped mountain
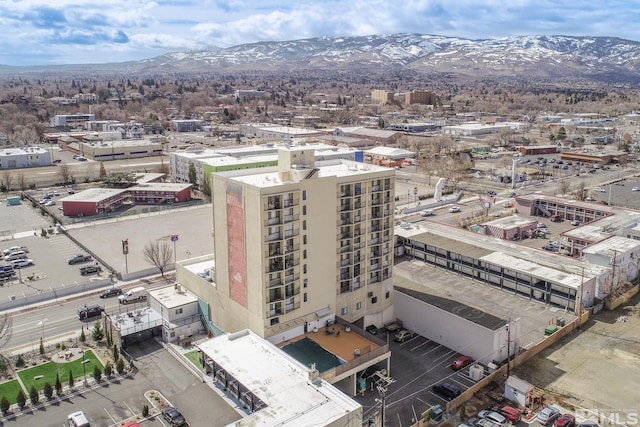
599 58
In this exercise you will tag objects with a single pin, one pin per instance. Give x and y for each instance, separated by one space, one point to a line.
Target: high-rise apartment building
419 97
300 242
381 97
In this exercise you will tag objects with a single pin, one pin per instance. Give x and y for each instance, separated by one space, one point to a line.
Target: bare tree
563 186
22 181
7 180
64 173
159 254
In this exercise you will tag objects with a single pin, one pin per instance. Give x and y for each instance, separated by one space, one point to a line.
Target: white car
600 190
19 263
426 212
635 189
50 203
454 209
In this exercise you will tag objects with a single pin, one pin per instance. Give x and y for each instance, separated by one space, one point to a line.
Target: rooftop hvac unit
476 372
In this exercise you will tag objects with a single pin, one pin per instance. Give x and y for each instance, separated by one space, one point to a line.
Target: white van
78 419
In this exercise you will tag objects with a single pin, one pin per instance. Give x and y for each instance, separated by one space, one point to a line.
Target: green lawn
194 358
10 389
48 371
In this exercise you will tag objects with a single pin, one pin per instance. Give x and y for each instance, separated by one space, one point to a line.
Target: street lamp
84 369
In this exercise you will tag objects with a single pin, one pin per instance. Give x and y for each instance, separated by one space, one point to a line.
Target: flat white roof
567 279
170 297
94 195
511 221
161 186
612 246
278 380
337 168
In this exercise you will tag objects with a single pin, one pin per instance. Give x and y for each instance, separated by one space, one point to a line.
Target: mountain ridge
609 59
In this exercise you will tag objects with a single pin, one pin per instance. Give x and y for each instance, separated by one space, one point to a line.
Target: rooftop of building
612 246
509 222
172 296
135 320
290 396
270 177
16 151
121 143
94 195
161 186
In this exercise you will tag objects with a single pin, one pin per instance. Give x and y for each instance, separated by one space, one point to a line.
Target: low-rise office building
24 157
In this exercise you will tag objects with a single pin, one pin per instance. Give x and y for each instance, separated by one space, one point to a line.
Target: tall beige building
419 97
297 244
381 97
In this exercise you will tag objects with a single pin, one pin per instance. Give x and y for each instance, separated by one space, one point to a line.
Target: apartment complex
419 97
381 97
300 243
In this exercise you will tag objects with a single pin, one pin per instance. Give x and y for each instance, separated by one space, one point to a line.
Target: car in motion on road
113 292
173 416
461 362
426 212
454 209
635 189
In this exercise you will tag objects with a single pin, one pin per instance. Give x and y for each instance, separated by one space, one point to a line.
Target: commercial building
187 125
273 388
179 311
117 150
24 157
474 129
75 121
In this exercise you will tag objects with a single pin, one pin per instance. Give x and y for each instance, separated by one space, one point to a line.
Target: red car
461 363
509 412
566 420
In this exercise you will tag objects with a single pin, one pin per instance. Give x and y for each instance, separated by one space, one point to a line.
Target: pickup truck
79 258
90 269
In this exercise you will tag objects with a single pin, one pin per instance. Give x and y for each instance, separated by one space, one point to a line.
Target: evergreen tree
70 379
120 365
4 405
108 369
21 399
97 334
58 385
48 390
83 337
115 352
41 347
97 373
34 396
193 177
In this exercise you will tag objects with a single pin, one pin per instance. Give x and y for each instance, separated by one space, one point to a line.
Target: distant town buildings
24 157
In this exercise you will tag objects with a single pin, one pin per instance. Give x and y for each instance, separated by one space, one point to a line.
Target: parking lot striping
434 348
109 415
444 356
420 345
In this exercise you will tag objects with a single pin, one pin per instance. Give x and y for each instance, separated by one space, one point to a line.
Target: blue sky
42 32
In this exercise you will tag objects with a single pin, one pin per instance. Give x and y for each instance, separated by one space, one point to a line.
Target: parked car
454 209
590 199
493 416
509 412
14 249
600 190
372 329
565 420
19 263
113 292
90 269
461 362
173 416
575 222
547 415
404 335
79 258
50 203
635 189
492 193
446 390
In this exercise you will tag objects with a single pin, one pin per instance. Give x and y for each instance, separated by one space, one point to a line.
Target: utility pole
508 348
382 385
